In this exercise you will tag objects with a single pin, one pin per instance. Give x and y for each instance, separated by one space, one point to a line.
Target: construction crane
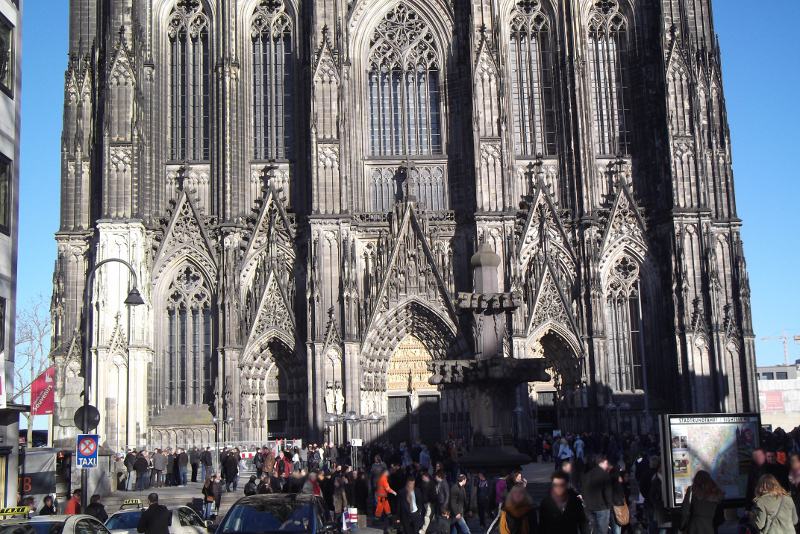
783 338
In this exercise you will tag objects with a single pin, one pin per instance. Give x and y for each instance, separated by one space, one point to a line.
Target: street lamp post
133 299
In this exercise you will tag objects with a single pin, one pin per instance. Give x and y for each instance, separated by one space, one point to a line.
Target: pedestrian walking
561 511
409 508
382 492
518 515
597 496
458 505
206 463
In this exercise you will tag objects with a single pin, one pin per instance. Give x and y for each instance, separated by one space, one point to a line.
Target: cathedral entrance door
398 427
428 420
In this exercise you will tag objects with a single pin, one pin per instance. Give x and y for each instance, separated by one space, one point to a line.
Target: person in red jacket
74 504
382 491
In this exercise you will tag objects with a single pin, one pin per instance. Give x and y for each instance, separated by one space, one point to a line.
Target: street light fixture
134 298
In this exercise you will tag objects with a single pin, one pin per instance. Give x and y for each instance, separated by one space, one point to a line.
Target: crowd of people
143 469
600 484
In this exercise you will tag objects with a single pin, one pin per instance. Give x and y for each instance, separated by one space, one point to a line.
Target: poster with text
721 444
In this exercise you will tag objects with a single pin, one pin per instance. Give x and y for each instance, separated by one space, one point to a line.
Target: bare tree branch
32 347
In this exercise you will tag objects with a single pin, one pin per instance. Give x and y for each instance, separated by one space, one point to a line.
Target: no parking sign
86 450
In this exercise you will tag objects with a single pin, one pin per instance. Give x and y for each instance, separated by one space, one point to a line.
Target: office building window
6 170
6 56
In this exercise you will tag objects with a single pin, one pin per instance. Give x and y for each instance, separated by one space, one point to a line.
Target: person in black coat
156 519
561 511
251 488
701 511
440 523
230 467
96 509
597 495
458 505
409 506
48 506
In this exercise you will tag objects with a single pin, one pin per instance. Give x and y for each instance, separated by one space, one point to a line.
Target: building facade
779 395
300 187
10 85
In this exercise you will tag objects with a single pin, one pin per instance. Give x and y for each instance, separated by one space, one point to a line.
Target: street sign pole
86 448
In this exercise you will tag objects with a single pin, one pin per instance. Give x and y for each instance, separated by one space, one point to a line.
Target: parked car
184 521
277 513
53 524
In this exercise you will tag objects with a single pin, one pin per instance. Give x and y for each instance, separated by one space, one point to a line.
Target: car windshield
33 527
126 521
270 516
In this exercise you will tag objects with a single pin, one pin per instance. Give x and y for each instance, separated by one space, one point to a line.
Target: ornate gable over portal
185 236
409 267
625 227
266 277
542 233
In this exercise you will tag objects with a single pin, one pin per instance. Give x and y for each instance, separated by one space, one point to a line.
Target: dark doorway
399 419
428 419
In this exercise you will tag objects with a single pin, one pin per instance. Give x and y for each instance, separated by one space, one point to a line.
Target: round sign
93 417
87 447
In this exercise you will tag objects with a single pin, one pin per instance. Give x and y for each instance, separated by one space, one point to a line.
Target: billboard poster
721 444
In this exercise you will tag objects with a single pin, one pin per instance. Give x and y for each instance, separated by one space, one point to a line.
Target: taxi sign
86 450
15 510
131 502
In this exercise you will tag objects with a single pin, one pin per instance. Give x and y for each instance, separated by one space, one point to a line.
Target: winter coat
569 520
520 519
597 490
700 515
458 500
774 514
230 466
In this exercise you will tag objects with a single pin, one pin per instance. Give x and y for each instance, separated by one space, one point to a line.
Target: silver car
53 524
184 521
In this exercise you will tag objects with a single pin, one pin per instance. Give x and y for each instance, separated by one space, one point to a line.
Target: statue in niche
339 396
330 398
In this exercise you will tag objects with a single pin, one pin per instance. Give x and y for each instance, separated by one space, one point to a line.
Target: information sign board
721 444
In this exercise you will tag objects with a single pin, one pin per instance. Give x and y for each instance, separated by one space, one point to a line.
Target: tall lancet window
624 319
404 95
186 368
530 60
273 80
608 57
189 82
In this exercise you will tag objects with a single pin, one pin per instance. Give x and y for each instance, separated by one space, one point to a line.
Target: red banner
43 392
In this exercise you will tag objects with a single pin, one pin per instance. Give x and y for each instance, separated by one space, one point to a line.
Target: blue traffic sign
86 450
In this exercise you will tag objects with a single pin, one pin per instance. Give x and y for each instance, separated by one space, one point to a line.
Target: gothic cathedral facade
300 185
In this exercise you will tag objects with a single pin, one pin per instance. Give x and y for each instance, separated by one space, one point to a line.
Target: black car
277 513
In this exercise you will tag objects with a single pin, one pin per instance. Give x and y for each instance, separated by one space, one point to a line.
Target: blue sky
761 72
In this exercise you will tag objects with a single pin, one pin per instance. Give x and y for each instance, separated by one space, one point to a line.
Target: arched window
187 363
189 85
624 313
530 60
404 99
608 51
273 81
